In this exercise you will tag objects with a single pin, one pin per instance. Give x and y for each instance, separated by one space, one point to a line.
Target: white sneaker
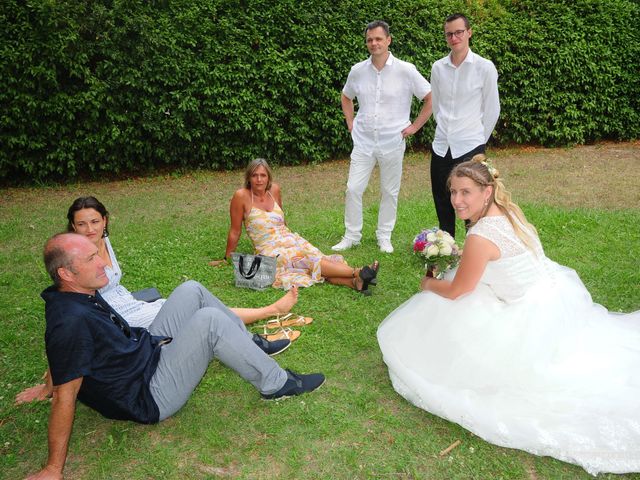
385 246
344 244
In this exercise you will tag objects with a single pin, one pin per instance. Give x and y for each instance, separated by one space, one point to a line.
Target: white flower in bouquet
439 248
431 251
445 249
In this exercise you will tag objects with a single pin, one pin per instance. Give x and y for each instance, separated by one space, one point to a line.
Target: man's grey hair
55 257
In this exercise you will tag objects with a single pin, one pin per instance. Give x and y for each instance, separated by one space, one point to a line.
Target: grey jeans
202 328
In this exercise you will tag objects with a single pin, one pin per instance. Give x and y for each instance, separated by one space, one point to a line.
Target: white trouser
390 165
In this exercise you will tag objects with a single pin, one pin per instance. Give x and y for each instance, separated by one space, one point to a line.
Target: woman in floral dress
259 204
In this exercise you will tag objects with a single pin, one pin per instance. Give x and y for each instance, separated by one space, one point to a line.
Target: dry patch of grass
603 176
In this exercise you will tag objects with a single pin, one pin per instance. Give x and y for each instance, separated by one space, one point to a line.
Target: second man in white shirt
466 108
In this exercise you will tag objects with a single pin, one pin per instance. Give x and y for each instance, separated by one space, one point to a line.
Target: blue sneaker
296 384
271 348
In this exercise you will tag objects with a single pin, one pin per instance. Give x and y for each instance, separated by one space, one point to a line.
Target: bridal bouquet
438 248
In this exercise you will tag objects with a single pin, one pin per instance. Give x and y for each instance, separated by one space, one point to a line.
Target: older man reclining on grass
126 373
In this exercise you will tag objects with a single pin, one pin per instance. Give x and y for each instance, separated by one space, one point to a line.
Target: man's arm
490 102
435 91
421 119
63 408
348 110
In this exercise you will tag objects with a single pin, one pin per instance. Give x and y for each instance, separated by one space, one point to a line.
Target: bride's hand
424 283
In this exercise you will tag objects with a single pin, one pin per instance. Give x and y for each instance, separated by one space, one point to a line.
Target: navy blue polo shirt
86 338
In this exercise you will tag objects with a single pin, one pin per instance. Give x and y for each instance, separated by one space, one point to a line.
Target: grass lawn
585 202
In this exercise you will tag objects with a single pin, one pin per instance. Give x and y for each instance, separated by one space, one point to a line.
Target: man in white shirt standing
384 87
466 107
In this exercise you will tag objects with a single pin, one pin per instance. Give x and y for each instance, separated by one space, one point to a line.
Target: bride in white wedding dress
511 346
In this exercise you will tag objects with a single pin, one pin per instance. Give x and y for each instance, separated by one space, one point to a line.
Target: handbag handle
255 265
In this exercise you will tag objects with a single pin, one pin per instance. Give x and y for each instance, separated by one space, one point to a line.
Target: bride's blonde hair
480 170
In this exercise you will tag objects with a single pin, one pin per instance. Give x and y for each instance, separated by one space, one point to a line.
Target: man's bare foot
32 394
287 301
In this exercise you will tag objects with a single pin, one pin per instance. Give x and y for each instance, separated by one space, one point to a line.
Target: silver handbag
253 271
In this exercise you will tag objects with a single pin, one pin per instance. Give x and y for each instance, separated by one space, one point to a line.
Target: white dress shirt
384 102
466 105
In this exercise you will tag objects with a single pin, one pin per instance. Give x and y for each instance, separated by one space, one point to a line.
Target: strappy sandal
282 334
289 320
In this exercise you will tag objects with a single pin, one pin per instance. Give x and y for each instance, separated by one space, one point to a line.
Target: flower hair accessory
493 171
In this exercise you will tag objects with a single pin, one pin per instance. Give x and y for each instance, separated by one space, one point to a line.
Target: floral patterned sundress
298 261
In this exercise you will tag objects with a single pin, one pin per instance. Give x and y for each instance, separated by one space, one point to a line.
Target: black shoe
368 275
270 348
296 384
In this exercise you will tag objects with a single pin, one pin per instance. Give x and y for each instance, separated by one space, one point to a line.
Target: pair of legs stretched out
359 279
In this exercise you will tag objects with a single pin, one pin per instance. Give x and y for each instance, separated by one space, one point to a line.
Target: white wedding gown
525 361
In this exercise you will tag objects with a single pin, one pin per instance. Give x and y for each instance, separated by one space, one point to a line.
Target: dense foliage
110 86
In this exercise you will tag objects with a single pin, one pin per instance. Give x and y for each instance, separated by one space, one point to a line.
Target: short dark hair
456 16
81 203
375 24
56 257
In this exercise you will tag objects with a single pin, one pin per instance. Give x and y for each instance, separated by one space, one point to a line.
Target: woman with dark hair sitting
89 217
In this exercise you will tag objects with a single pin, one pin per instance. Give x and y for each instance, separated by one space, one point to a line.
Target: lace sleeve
499 231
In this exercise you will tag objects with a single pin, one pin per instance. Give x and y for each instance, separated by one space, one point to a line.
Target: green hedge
569 71
112 86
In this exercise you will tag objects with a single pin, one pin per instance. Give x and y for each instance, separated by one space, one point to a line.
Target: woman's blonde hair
253 165
480 170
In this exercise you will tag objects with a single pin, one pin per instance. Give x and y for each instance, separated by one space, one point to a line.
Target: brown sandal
289 320
282 334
